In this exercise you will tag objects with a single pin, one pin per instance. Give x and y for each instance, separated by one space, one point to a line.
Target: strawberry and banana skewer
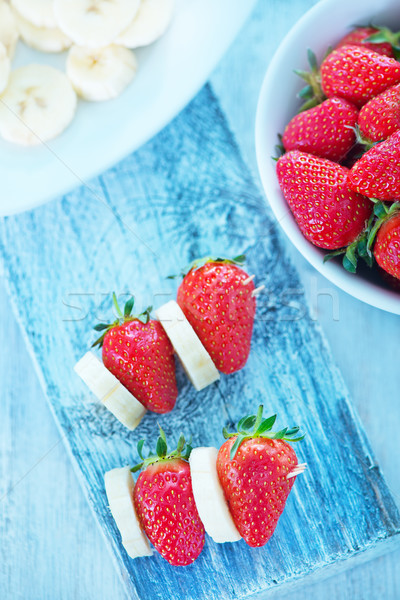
238 491
342 151
209 328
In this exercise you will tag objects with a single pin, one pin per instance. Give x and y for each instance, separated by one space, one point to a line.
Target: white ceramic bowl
320 27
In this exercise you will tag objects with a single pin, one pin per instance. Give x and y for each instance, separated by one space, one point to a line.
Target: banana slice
149 24
94 23
100 74
45 39
37 12
5 68
194 357
106 387
119 489
8 28
209 496
38 104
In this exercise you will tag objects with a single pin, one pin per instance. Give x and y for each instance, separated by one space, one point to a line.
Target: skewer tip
257 290
250 278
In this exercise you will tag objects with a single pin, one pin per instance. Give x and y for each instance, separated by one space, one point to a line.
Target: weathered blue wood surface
183 194
43 512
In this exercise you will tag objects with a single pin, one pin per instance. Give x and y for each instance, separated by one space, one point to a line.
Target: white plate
170 73
320 27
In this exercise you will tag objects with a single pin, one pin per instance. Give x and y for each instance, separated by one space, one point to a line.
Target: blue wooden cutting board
186 194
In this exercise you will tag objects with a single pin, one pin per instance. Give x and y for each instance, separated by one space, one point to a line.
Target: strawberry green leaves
122 317
362 247
312 93
183 450
385 35
254 426
351 254
128 307
383 212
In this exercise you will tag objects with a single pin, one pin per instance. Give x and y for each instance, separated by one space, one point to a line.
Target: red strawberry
380 117
329 214
165 504
357 74
327 130
220 307
138 352
357 37
253 467
377 173
387 243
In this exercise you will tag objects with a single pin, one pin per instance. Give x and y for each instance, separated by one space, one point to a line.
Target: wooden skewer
257 290
294 474
298 469
246 281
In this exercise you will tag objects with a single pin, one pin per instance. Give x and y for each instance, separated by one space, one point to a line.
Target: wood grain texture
40 499
183 194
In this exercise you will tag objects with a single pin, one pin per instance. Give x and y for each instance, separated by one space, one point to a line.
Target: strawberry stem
124 317
312 93
364 142
116 305
183 450
253 426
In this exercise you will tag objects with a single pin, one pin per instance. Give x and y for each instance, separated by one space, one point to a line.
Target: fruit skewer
238 491
210 331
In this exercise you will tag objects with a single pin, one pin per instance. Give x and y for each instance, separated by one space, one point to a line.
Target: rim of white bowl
358 287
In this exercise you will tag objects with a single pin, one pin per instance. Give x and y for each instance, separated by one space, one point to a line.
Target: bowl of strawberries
328 144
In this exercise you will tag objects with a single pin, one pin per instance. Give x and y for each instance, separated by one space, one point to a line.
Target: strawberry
253 467
164 503
377 173
358 37
216 298
329 214
137 351
384 237
380 117
327 130
357 74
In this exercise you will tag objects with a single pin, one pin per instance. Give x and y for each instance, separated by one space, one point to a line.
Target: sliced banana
209 496
94 23
119 489
38 104
106 387
194 357
100 74
37 12
149 24
8 28
45 39
5 68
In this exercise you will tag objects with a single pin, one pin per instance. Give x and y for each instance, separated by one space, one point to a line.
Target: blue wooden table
53 549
